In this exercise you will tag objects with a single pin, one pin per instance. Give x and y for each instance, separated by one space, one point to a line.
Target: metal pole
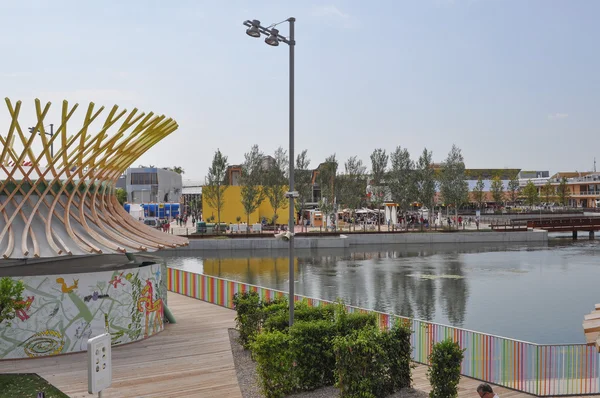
291 223
51 145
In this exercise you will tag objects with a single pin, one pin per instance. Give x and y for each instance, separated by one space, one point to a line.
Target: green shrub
396 344
444 372
11 299
359 366
279 319
276 375
349 323
249 316
311 347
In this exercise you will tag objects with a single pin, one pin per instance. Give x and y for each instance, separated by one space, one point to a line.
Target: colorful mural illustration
63 312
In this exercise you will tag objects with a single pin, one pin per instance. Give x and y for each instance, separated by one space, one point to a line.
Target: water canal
532 293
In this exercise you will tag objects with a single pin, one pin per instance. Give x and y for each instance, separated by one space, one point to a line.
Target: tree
379 163
548 191
302 181
275 182
353 184
178 169
513 188
121 195
425 180
252 194
479 193
216 184
453 187
327 183
497 190
11 299
532 196
402 178
563 192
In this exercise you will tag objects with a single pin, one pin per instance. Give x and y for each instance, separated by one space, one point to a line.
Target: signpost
99 364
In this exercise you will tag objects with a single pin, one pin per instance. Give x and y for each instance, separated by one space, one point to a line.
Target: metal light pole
273 39
50 134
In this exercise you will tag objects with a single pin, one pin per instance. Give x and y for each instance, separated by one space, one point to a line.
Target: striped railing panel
543 370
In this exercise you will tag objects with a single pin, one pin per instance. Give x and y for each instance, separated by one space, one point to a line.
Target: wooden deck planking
191 358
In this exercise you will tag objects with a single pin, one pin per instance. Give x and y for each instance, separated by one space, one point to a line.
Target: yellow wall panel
233 208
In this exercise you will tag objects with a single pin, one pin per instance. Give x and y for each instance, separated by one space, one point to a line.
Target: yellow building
233 208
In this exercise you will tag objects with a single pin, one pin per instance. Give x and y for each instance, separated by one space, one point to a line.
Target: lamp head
253 30
272 40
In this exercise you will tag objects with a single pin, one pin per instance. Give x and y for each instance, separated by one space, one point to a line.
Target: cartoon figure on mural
151 306
117 280
64 287
21 312
94 296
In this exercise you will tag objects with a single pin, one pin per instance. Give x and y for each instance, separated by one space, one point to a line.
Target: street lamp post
50 134
273 39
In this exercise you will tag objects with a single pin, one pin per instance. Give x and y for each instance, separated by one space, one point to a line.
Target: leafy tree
275 182
302 181
121 195
548 191
479 193
453 187
178 169
402 178
250 181
425 180
379 164
352 184
532 196
327 182
563 192
216 184
497 190
513 188
11 299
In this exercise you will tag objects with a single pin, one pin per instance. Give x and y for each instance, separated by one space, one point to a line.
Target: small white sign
99 363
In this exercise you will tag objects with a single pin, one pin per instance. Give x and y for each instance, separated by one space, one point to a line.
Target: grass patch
27 385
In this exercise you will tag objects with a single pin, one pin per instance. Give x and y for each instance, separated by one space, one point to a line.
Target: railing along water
539 369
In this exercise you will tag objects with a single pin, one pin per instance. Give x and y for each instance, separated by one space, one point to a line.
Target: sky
514 84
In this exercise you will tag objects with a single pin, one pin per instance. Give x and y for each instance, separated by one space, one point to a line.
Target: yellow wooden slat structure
62 202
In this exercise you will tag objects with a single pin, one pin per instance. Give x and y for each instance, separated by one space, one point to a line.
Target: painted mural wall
63 311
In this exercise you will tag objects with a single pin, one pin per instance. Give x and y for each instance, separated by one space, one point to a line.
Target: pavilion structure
57 193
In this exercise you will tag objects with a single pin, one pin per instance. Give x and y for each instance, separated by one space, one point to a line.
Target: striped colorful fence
543 370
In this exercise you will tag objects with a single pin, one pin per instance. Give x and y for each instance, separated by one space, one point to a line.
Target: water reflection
498 289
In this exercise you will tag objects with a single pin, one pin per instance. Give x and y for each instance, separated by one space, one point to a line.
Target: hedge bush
249 316
311 346
279 320
396 344
271 350
444 372
326 344
360 364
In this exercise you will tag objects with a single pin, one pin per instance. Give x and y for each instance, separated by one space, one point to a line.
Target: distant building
153 185
191 192
528 174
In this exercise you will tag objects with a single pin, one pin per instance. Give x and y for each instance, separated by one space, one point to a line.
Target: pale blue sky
512 83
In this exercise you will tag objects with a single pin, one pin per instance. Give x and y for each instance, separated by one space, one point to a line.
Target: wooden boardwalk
191 358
